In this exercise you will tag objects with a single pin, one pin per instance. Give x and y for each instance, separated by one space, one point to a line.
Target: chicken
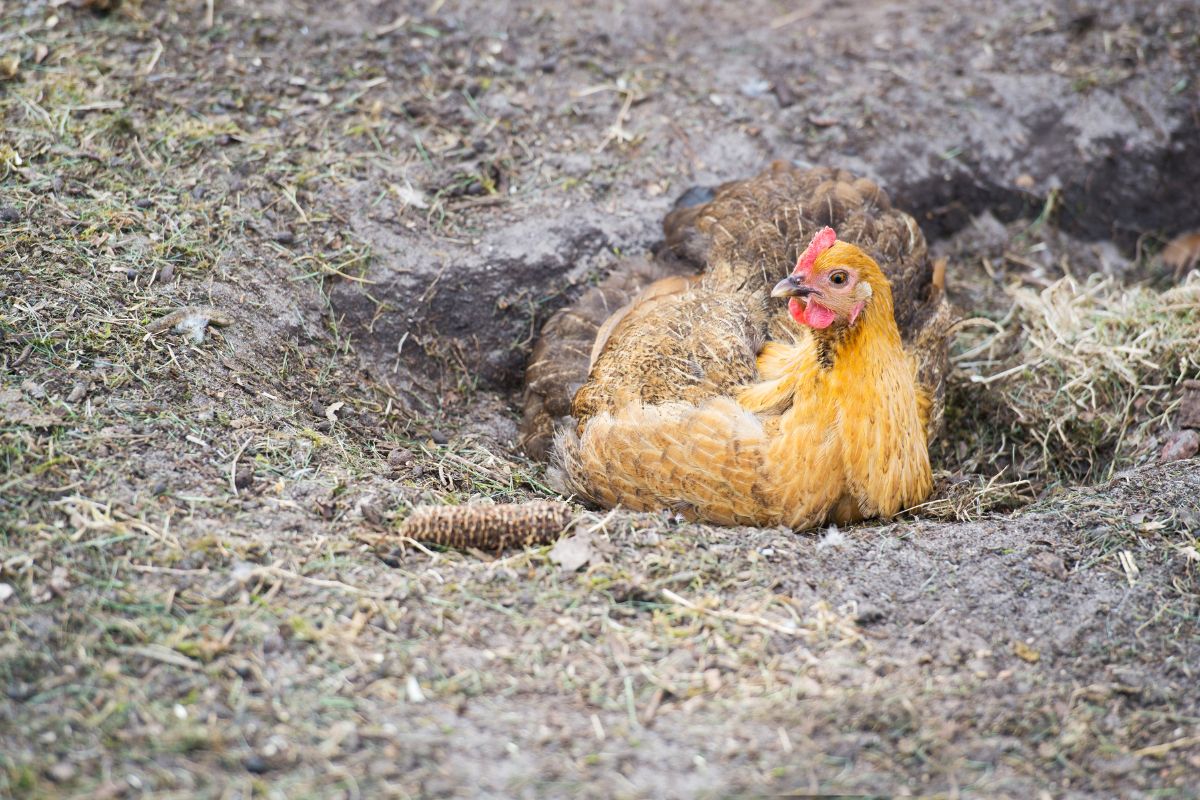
741 236
823 422
694 387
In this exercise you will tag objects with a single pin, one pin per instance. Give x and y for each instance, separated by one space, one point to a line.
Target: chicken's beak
791 287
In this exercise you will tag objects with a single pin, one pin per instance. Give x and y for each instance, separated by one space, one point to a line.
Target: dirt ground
365 212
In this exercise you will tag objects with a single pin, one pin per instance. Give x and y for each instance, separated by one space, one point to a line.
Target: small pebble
9 214
34 390
256 764
62 772
20 692
869 615
1182 444
244 477
1051 565
399 457
439 437
755 88
372 513
382 768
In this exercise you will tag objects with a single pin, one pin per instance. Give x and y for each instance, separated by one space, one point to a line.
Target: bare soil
376 205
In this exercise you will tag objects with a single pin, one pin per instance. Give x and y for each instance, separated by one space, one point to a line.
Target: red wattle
814 315
796 309
818 316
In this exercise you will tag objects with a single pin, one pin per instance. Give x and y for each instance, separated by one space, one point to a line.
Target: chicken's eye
838 278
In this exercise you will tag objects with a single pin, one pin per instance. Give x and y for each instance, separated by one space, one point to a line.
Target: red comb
822 241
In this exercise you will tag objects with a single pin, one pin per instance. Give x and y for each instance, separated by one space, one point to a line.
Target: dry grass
971 497
1077 380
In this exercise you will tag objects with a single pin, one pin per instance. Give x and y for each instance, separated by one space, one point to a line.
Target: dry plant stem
493 528
735 616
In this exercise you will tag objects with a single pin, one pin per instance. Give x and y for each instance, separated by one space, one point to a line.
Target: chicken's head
832 284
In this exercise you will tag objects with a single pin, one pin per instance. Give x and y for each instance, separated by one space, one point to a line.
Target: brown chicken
697 382
746 233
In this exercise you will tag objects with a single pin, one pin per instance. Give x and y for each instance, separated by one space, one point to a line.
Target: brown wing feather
655 292
562 355
687 347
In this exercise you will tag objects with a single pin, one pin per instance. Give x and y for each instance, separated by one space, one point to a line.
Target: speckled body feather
563 353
